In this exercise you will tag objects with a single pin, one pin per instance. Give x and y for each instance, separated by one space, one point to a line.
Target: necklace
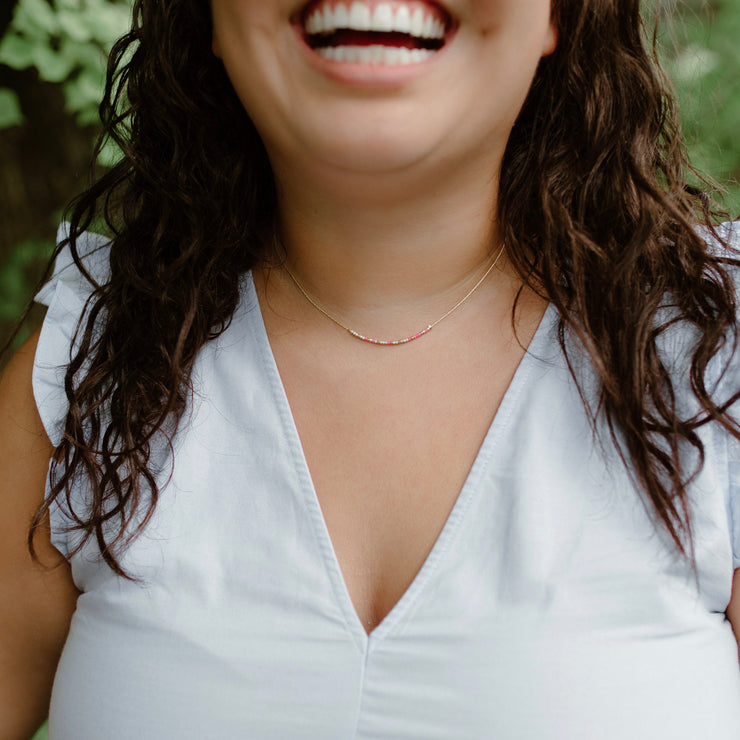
393 342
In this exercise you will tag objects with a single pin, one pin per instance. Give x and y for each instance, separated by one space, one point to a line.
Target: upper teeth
413 19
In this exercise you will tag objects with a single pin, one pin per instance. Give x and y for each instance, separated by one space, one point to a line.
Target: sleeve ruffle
66 296
728 377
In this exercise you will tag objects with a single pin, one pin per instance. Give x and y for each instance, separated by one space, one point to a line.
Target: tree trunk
43 164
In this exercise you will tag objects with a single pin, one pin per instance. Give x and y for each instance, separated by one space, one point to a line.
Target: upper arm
733 609
36 601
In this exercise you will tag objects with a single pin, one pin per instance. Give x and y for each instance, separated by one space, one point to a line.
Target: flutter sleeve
66 296
728 383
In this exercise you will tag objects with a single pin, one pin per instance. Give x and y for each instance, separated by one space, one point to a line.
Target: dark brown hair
593 200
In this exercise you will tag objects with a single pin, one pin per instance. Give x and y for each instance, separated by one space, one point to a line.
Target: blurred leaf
83 93
704 63
53 66
67 41
693 63
74 27
88 56
16 51
110 154
109 21
10 109
15 284
35 18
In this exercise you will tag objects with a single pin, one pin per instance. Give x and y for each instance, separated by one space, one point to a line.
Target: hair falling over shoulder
593 200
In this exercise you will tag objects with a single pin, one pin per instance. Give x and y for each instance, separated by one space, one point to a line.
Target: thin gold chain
394 342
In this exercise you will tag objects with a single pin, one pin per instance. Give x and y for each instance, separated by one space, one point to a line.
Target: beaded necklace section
393 342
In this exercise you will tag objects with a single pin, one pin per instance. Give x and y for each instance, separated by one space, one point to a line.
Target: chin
375 139
373 155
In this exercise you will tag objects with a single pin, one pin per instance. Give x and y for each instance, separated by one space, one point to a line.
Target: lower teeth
376 54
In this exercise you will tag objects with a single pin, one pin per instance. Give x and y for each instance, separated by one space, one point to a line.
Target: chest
389 448
551 577
357 468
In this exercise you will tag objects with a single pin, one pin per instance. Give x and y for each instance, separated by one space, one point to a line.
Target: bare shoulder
24 446
36 599
25 452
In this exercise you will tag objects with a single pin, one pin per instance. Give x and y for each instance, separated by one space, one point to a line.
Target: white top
550 607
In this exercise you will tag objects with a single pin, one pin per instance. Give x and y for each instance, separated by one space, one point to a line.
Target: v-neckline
310 499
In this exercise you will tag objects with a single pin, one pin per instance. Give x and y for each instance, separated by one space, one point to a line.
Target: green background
52 57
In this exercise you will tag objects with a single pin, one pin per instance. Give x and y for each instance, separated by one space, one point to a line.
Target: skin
37 598
377 184
733 608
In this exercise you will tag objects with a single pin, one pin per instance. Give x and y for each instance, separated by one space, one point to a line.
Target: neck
401 340
376 249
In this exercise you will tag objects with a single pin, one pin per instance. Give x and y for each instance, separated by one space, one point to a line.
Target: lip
371 75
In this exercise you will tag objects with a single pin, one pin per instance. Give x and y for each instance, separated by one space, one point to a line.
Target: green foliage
10 109
17 276
703 59
43 733
67 41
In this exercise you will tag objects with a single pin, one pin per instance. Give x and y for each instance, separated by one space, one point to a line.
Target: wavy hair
593 201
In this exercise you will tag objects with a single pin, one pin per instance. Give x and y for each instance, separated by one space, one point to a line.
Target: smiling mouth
385 33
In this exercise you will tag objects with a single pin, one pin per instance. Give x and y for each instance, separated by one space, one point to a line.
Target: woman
512 519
